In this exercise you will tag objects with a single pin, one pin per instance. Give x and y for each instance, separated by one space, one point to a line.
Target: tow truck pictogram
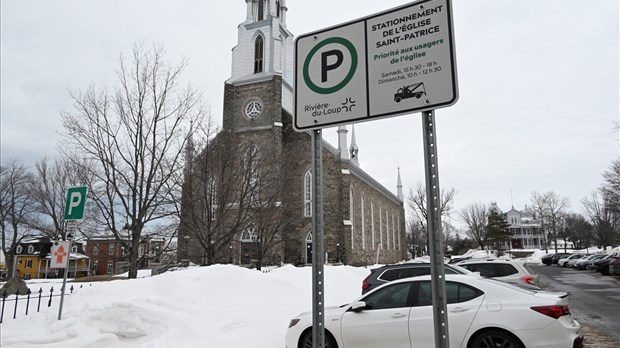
416 90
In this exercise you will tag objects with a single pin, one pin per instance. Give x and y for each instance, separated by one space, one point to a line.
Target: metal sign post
435 240
318 294
74 212
64 280
395 62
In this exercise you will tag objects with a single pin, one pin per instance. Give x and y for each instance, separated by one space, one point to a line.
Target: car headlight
293 322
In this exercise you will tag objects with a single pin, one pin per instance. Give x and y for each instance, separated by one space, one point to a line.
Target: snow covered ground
220 306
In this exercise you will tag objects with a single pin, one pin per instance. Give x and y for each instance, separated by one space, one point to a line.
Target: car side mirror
358 306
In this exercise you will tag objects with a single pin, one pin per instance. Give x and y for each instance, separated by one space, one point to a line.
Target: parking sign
74 205
395 62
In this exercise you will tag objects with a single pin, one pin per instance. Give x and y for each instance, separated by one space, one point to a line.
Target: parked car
614 266
563 262
583 263
602 265
573 262
459 259
381 275
482 313
557 257
546 260
501 269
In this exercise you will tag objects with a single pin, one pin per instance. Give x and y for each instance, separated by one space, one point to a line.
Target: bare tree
51 182
133 141
218 192
449 233
599 209
416 238
16 208
556 207
475 216
549 209
539 207
267 210
612 183
417 203
576 229
232 202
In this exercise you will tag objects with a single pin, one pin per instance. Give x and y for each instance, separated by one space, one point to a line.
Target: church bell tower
259 89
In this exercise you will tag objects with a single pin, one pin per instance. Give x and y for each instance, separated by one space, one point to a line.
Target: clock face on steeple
253 108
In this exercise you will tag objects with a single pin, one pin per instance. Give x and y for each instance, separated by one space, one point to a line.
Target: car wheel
306 340
495 339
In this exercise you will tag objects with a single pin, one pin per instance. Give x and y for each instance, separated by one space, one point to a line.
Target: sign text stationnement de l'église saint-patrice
396 62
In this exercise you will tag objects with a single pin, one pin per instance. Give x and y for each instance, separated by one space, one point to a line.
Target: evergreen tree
497 230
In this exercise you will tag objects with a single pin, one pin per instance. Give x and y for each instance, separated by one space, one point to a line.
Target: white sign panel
392 63
60 254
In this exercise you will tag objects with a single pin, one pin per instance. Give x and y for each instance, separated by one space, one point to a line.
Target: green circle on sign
339 40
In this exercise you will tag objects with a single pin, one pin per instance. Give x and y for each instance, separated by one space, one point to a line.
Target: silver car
509 271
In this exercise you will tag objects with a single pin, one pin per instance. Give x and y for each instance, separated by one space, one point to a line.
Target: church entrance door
309 248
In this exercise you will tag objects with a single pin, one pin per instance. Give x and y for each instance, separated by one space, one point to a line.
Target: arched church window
277 9
372 223
212 201
363 224
351 216
308 193
250 234
252 160
261 10
258 54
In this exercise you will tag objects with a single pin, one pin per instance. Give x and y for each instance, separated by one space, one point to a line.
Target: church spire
343 151
399 186
189 150
354 150
264 47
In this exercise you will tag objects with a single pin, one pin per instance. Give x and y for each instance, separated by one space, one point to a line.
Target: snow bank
219 306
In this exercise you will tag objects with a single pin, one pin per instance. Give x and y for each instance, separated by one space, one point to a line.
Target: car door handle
398 315
459 310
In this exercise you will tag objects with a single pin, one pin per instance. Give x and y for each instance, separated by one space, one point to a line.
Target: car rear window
399 273
491 269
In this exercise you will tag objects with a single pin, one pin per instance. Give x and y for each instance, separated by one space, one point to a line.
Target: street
594 301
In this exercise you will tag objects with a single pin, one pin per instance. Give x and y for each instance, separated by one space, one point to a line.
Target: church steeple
399 186
354 150
343 151
264 45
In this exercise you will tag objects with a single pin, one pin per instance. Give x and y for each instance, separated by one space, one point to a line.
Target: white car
509 271
563 262
481 313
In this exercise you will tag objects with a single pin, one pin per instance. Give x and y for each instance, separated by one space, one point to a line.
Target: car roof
429 277
484 260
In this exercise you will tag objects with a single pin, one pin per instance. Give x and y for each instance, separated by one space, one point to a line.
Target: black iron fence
22 302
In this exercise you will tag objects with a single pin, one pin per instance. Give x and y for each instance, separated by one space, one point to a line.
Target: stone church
364 222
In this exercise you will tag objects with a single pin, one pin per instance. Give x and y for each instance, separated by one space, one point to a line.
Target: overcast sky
538 84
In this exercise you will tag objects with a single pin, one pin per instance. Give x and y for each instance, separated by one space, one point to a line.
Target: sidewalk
596 338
